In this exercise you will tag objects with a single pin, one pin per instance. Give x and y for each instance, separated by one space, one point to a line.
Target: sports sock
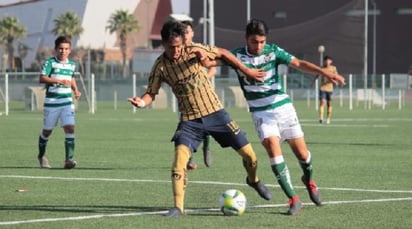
69 146
321 108
42 145
281 171
329 112
249 162
307 167
179 175
206 142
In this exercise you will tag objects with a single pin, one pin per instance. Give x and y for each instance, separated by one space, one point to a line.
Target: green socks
307 167
42 146
69 148
282 174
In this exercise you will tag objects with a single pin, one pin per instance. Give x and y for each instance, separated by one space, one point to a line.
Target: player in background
210 73
326 90
57 73
272 110
201 112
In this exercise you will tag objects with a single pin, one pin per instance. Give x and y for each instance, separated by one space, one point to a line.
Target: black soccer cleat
173 212
261 189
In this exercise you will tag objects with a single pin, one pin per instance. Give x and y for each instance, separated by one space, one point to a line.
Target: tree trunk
10 52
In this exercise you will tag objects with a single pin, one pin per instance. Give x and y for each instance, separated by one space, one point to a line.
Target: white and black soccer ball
232 202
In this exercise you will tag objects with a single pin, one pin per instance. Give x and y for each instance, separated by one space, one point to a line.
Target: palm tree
10 30
67 24
123 23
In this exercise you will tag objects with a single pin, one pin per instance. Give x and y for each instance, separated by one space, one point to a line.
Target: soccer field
362 165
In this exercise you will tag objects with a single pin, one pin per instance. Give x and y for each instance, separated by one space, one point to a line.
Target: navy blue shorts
218 124
325 95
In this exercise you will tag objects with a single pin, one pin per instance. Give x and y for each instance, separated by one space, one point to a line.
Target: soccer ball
232 202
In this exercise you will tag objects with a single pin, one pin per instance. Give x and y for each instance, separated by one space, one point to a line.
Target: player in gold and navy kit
201 112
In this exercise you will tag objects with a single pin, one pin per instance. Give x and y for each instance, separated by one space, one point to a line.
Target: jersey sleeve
155 81
46 68
282 56
210 49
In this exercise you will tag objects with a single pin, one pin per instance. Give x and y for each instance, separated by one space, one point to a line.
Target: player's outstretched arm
141 102
308 67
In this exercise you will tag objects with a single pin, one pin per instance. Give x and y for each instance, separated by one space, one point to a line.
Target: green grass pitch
362 160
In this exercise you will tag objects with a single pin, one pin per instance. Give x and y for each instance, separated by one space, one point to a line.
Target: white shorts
281 122
51 116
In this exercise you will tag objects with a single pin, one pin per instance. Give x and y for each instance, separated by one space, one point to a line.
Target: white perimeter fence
395 89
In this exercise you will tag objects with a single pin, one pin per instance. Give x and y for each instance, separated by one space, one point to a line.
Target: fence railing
24 87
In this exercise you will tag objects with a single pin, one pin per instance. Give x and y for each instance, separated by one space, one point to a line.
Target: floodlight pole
374 43
212 29
205 23
247 11
321 50
365 53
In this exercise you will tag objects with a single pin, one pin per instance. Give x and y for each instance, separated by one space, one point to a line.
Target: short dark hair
187 23
327 58
256 27
172 29
62 39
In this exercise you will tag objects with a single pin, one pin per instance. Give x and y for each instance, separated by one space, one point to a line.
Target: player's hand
337 79
199 52
77 94
256 74
66 83
137 102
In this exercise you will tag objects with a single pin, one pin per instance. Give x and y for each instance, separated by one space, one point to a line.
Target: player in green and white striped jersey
273 114
57 73
272 110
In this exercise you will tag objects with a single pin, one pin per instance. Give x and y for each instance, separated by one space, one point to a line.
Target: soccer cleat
173 212
294 206
44 162
261 189
69 164
328 121
320 121
313 191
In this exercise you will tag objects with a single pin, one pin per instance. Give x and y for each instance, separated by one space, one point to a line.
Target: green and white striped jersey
270 93
58 95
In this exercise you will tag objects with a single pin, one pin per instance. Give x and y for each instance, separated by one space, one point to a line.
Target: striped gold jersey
188 80
325 83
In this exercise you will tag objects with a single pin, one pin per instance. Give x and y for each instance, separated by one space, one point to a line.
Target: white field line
194 182
188 211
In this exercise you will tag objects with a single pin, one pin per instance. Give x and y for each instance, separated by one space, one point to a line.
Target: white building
38 17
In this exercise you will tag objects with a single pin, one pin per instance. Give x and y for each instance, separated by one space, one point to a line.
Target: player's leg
42 145
278 164
322 97
304 157
179 178
207 158
188 133
50 118
227 133
329 107
274 126
68 124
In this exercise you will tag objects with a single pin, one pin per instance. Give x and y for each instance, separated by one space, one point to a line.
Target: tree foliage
11 30
67 24
122 23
